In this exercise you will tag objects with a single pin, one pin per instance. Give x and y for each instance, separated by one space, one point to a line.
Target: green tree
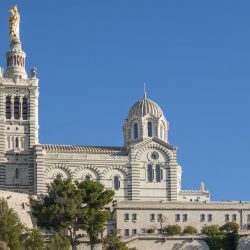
214 237
113 242
230 227
190 230
93 216
34 240
59 242
211 230
11 228
73 206
172 229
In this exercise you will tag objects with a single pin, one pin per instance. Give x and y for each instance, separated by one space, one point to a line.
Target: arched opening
150 174
88 177
158 173
135 130
16 107
17 173
150 131
17 142
25 108
8 107
116 183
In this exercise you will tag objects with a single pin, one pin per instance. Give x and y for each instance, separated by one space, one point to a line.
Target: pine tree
73 206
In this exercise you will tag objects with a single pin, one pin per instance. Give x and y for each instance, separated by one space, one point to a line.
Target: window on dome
8 107
135 130
116 183
150 132
158 173
150 173
16 107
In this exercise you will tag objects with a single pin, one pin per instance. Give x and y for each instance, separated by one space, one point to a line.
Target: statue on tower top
14 21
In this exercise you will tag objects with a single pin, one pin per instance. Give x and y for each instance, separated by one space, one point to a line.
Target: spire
15 57
145 91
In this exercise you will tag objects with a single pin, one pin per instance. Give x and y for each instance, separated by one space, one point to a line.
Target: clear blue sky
94 56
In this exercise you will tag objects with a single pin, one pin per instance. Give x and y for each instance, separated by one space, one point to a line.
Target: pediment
137 150
150 140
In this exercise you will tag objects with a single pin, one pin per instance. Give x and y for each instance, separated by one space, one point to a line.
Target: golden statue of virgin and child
14 22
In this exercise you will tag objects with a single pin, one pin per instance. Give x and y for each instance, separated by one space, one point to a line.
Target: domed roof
144 107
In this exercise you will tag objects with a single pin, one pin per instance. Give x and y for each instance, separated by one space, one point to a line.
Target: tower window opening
16 107
17 142
116 183
150 173
150 132
8 107
135 130
158 173
25 108
17 173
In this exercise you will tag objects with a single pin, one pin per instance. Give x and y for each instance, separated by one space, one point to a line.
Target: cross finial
145 91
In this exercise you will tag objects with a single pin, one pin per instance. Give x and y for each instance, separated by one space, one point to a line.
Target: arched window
17 173
8 107
17 142
58 176
116 183
150 132
25 108
88 177
150 173
135 130
158 173
16 107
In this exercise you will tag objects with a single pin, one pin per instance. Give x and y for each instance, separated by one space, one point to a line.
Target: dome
144 107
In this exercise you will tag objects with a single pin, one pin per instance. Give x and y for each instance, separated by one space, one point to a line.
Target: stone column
134 185
172 178
12 99
21 107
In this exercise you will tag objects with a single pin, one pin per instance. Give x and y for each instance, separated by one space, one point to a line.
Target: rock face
20 203
3 246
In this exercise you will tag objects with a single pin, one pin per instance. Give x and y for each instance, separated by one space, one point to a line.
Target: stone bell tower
18 116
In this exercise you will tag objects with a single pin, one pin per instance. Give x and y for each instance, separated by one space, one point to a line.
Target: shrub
172 229
211 230
230 227
190 230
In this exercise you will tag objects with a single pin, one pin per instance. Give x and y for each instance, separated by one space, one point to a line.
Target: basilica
144 172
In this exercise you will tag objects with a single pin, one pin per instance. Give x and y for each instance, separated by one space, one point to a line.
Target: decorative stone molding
123 169
16 91
153 146
89 167
60 166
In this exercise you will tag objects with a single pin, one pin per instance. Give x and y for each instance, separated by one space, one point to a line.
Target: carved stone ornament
153 155
33 72
14 91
